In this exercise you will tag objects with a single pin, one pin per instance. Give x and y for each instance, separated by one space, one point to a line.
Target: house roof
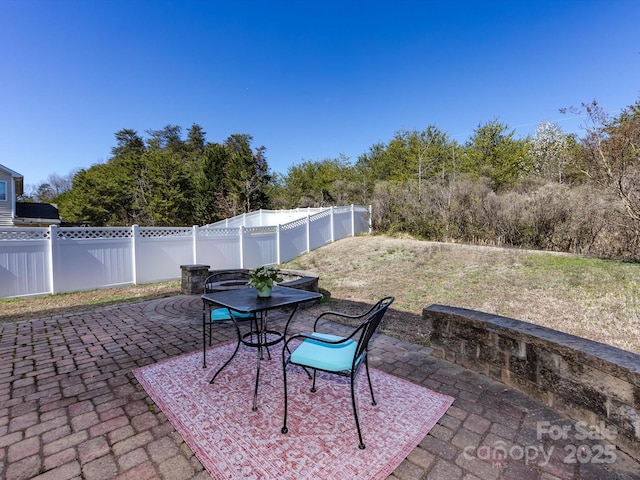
18 179
37 212
10 172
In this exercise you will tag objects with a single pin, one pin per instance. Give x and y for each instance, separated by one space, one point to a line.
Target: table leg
255 390
204 335
286 327
261 334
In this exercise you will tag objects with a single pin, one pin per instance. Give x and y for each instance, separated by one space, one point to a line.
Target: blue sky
309 80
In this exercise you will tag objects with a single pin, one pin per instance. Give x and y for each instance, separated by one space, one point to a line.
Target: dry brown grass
592 298
36 307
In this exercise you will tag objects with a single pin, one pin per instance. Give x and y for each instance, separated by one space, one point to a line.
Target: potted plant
263 279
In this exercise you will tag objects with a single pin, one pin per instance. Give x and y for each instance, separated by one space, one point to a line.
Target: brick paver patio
70 407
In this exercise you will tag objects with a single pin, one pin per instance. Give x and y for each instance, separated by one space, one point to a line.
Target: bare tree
54 186
612 151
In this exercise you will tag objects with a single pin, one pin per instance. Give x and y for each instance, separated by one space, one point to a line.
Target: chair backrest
226 280
370 325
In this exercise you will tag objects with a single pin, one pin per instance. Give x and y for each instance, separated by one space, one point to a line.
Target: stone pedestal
193 277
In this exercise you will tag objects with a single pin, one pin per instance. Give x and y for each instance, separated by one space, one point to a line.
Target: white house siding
6 215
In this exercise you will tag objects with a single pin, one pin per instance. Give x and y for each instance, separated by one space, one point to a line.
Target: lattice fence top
24 234
345 209
276 216
259 230
295 224
219 232
324 213
107 232
154 232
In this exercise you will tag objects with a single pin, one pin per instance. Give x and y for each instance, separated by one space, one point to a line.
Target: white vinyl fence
38 261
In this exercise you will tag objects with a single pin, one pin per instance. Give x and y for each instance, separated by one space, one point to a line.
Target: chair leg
204 343
313 385
361 446
204 336
366 365
226 363
232 356
284 375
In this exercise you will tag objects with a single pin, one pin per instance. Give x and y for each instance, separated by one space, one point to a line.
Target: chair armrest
311 336
341 315
353 316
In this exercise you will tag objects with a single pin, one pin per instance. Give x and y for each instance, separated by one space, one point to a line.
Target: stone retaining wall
588 381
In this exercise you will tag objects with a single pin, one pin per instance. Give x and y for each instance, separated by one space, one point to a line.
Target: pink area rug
234 442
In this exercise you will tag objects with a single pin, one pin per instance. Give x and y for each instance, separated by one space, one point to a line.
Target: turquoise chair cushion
325 356
220 314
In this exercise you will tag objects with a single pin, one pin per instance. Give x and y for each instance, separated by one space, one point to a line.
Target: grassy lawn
23 308
592 298
588 297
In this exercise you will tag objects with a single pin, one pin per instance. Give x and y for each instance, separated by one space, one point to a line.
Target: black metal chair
335 354
223 281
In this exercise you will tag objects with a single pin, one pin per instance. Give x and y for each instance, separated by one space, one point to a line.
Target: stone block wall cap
194 267
536 333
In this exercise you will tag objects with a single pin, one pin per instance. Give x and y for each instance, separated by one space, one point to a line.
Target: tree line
550 190
166 180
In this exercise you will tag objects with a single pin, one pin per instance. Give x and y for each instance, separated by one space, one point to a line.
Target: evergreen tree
209 185
246 176
492 152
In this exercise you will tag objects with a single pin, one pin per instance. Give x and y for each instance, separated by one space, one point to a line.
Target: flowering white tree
550 151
